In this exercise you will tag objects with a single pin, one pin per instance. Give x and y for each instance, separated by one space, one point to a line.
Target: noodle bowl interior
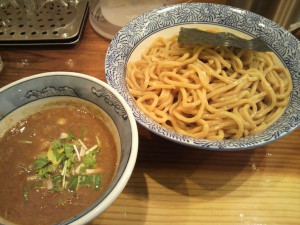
207 91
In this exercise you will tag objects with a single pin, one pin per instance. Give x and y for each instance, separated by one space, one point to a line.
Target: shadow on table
167 172
169 176
194 172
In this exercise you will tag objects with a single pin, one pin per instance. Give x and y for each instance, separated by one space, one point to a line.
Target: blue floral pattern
111 100
284 44
51 91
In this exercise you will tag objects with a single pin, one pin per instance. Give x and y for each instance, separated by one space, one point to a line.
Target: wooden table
172 183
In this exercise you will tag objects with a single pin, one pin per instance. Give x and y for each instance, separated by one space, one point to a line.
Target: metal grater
51 23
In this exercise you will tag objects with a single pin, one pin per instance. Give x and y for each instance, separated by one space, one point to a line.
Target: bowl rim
126 173
125 39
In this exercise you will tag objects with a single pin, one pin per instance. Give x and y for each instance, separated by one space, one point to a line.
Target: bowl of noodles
206 96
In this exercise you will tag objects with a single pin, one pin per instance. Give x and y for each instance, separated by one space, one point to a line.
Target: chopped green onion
63 166
71 136
91 180
91 149
43 172
74 183
77 152
57 144
82 144
97 181
68 150
57 189
57 179
55 153
40 163
98 141
89 160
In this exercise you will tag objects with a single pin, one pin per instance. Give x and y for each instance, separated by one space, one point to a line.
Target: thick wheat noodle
209 92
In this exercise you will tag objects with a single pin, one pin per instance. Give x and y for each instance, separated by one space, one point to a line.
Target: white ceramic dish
35 90
166 21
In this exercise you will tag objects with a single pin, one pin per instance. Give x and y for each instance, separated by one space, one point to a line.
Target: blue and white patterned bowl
132 39
32 93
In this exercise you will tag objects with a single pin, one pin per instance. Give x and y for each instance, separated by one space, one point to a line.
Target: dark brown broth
44 207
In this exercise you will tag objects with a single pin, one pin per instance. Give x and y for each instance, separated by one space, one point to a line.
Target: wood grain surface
172 183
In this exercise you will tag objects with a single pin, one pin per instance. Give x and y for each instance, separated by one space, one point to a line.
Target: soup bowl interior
43 91
137 35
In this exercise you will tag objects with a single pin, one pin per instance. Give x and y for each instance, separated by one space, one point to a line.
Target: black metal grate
50 21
